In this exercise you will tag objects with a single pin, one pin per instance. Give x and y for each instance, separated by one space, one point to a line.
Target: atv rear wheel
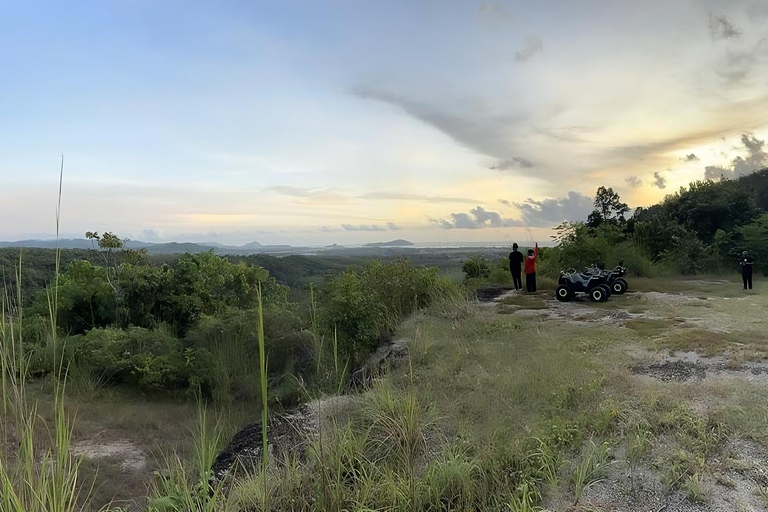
563 293
607 290
619 286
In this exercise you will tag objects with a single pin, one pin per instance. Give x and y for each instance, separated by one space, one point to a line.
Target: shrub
226 352
151 359
367 303
476 267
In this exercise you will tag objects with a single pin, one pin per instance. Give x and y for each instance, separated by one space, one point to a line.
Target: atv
572 282
614 278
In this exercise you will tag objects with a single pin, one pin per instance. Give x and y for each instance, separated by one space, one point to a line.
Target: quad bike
614 278
572 282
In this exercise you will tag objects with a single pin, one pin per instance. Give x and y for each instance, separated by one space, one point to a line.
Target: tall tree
608 207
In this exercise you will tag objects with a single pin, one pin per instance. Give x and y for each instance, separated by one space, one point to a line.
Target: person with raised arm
530 268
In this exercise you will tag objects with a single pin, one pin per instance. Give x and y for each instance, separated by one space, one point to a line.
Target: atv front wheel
597 294
619 286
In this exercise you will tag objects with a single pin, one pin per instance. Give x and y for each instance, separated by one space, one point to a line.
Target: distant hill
394 243
155 248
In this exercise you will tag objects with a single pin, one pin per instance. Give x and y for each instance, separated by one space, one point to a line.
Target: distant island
394 243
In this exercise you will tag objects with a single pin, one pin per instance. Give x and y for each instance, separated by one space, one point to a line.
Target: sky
351 121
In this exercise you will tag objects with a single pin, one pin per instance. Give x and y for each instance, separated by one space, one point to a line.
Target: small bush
151 359
476 267
366 304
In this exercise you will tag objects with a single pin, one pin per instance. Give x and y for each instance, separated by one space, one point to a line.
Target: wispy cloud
721 27
515 162
532 47
659 180
323 194
362 227
690 158
389 226
421 198
485 130
505 203
634 181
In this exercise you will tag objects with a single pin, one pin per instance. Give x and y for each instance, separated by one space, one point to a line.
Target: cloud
477 127
325 194
403 196
690 158
713 172
634 181
515 162
721 27
545 213
494 10
532 47
505 203
390 226
738 62
659 180
477 218
362 227
551 212
151 235
755 160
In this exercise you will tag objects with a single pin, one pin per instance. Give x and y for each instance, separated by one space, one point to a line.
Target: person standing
530 269
516 266
746 263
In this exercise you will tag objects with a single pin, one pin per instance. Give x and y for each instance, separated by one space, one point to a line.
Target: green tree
608 208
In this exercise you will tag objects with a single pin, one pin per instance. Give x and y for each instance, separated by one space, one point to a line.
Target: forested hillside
698 229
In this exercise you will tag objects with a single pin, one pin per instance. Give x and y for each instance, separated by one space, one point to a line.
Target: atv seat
581 278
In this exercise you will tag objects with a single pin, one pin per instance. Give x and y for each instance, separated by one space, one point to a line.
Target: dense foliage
702 228
190 323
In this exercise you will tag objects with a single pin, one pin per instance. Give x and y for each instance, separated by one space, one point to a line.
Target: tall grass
42 476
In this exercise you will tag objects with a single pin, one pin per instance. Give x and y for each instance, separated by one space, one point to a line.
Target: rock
488 293
377 362
288 433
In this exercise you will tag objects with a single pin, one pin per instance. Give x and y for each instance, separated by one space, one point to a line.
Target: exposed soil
489 293
672 370
682 366
672 299
132 457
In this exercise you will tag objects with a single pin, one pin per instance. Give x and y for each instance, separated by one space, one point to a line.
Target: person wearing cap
746 263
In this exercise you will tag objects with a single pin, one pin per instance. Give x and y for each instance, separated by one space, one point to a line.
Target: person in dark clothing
516 266
746 263
530 269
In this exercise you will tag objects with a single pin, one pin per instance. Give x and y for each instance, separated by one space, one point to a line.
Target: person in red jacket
530 268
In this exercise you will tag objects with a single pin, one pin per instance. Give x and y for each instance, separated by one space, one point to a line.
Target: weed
422 342
525 499
585 473
548 461
695 488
